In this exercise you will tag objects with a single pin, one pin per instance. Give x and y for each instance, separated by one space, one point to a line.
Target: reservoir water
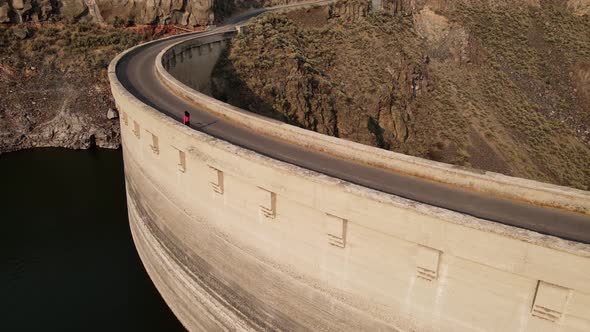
67 259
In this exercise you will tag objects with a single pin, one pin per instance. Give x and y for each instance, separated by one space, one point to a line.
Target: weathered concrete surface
219 262
237 240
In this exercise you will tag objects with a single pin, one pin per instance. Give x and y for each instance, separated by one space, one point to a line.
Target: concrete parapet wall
236 240
529 191
192 64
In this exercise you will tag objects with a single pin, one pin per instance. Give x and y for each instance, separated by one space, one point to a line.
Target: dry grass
507 103
67 48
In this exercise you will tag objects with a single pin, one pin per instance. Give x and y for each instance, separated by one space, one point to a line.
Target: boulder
112 114
21 32
72 9
4 10
18 4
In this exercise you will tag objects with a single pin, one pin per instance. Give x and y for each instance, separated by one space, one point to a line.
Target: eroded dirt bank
54 90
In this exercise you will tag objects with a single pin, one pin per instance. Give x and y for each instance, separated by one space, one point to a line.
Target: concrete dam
245 223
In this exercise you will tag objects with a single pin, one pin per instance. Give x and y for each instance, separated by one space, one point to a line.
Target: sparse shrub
354 77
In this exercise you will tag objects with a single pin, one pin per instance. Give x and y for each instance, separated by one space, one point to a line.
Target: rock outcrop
403 7
53 86
189 12
182 12
350 10
203 12
56 116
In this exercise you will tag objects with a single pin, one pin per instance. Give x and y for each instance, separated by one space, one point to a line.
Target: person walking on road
186 119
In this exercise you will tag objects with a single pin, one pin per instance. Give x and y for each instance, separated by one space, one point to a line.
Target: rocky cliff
183 12
53 87
195 12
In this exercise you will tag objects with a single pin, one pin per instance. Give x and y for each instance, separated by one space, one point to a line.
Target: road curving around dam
245 223
511 201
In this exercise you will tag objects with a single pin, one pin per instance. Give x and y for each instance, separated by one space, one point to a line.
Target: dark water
67 259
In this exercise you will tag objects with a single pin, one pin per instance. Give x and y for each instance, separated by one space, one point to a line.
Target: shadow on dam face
193 64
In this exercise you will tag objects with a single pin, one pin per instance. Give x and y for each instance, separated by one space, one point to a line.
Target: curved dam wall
178 67
192 63
236 240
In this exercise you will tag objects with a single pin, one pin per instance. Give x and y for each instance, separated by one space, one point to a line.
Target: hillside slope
501 87
54 89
